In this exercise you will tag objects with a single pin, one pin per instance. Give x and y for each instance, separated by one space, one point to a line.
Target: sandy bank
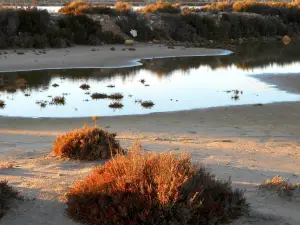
93 57
286 82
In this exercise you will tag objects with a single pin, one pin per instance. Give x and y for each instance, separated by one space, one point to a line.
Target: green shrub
87 143
153 188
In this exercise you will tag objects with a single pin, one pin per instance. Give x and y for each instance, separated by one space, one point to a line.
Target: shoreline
94 57
242 143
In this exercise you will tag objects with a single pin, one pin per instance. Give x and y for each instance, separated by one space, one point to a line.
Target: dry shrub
74 7
161 7
280 185
123 7
83 7
87 143
6 166
153 188
7 193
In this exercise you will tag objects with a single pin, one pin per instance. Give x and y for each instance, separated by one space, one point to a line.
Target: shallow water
174 84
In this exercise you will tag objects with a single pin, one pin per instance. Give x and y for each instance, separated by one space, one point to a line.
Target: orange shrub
153 188
161 7
123 7
87 143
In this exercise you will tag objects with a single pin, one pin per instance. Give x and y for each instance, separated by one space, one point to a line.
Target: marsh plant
85 87
2 104
87 143
281 186
116 96
147 104
116 105
153 188
58 100
97 95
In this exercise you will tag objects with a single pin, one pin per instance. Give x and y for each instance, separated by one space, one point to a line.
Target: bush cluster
83 7
153 188
87 143
161 7
7 193
27 28
193 27
289 12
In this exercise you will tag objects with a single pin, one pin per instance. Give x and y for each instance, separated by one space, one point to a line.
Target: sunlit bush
153 188
87 143
161 7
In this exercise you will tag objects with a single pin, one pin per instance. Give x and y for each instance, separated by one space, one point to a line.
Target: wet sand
93 57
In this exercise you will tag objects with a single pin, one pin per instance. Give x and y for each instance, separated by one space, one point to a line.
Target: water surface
172 84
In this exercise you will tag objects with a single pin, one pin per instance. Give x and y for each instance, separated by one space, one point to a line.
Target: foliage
123 7
289 12
87 143
83 7
7 193
153 188
281 186
161 7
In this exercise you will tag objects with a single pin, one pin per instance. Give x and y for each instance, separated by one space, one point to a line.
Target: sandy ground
92 57
247 144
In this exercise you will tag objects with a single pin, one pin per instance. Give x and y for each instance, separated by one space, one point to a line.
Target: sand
93 57
247 144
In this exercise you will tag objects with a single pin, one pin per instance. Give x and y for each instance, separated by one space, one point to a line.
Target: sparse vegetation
147 104
116 96
58 100
55 85
7 193
153 188
99 95
85 87
116 105
87 143
281 186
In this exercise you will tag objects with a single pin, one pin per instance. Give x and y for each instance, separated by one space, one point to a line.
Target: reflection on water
171 84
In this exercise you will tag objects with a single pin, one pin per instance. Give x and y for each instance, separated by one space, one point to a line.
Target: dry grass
7 193
97 95
280 185
153 188
123 7
87 143
161 7
116 105
116 96
2 104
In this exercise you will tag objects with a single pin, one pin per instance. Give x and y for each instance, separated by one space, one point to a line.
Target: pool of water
171 84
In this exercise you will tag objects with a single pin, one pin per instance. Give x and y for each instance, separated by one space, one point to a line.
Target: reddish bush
87 143
153 188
